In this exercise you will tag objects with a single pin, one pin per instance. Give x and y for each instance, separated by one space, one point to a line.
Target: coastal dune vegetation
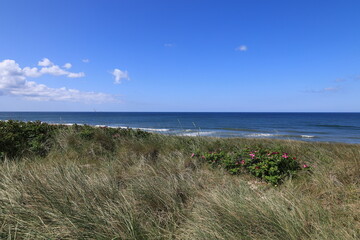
82 182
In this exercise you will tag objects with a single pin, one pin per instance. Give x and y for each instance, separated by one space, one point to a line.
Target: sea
324 127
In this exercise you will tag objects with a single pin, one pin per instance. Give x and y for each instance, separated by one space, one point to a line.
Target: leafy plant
269 165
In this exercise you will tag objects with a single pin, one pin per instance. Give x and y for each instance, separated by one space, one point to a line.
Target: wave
307 136
102 126
121 127
278 135
240 129
261 135
295 136
155 129
302 131
112 126
65 124
197 133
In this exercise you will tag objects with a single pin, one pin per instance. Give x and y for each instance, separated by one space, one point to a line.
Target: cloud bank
14 82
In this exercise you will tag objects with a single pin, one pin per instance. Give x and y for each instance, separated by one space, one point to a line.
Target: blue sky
180 55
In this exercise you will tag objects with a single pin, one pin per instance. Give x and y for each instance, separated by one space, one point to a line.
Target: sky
180 55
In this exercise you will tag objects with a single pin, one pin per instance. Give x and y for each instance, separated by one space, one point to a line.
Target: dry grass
150 188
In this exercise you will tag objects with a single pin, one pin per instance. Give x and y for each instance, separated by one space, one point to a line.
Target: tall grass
150 188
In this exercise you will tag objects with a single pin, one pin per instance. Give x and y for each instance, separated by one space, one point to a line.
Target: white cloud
53 70
169 45
50 68
86 60
67 65
40 92
45 62
241 48
76 75
11 75
13 82
119 75
31 72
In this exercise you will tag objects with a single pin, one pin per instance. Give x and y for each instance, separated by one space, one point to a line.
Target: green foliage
267 164
19 138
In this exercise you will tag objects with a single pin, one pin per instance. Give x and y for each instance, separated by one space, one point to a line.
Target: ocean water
326 127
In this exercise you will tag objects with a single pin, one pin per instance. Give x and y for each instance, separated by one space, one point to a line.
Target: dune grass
104 186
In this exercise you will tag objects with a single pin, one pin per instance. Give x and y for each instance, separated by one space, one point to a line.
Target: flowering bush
271 166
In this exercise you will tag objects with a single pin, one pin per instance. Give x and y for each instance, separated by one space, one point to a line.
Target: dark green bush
19 138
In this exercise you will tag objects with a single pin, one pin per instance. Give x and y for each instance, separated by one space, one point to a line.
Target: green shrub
269 165
18 138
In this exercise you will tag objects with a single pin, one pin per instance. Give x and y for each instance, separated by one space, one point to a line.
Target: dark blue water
328 127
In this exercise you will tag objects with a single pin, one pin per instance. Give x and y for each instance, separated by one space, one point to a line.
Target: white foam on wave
121 127
194 134
260 135
155 129
307 136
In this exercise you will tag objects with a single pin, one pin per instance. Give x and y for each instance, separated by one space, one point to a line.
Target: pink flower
285 155
203 157
252 155
242 162
305 166
192 155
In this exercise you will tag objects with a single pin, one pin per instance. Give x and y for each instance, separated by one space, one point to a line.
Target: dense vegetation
19 139
81 182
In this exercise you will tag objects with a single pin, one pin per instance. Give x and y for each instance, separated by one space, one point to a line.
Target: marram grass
149 187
